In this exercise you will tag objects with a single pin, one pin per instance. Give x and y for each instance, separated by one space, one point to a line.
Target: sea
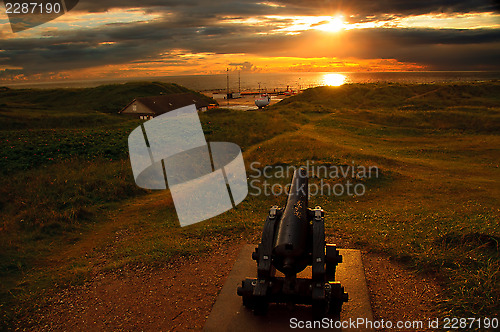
269 82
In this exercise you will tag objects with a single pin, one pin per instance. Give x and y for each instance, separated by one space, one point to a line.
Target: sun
334 24
334 79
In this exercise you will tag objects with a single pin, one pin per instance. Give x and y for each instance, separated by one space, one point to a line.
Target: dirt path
397 294
423 94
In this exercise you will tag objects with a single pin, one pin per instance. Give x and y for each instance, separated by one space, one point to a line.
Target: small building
149 107
219 96
231 95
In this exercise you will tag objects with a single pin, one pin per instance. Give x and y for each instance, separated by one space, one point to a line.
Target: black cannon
294 238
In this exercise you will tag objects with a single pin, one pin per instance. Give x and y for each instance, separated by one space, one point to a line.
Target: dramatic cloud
370 7
445 49
244 66
214 8
179 30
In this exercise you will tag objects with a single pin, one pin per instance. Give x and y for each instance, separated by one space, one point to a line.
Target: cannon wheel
332 259
319 308
260 306
335 307
245 291
337 298
248 302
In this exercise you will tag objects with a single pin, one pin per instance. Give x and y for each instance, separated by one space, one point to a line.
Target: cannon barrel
291 243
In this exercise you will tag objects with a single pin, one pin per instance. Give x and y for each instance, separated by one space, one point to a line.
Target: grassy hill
433 207
70 108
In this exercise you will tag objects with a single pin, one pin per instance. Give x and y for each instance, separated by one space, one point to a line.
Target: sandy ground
180 295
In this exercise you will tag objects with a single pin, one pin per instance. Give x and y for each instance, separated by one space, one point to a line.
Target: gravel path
180 295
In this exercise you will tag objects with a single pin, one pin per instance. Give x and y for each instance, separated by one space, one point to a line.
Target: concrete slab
229 314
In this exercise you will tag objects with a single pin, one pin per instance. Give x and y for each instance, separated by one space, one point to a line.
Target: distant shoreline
271 81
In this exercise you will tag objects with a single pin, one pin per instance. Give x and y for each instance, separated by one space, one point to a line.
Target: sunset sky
122 38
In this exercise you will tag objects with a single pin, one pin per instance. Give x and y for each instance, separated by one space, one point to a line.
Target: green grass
63 165
104 98
75 210
244 128
23 150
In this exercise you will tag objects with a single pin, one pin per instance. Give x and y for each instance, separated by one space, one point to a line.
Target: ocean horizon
247 81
